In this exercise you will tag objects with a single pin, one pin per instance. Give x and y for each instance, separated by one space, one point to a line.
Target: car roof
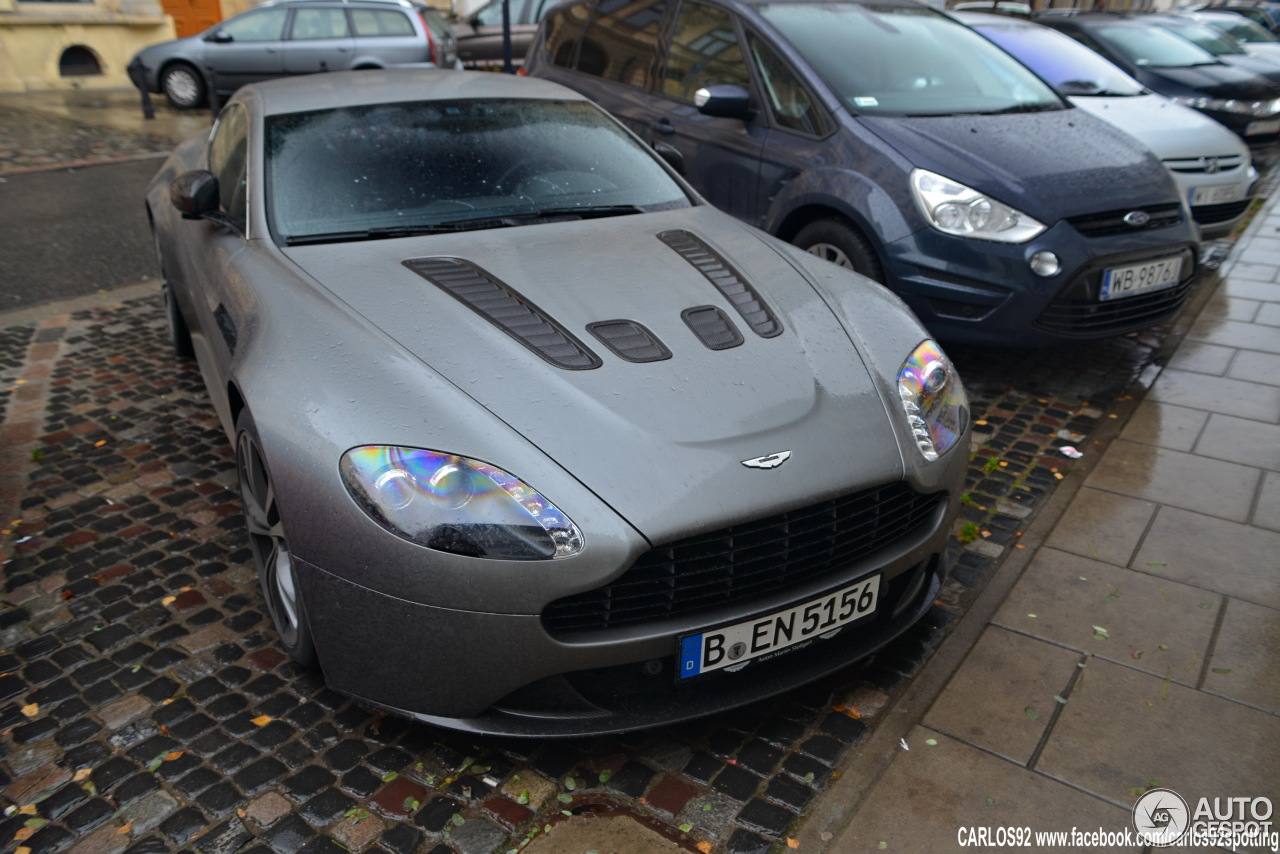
987 19
393 85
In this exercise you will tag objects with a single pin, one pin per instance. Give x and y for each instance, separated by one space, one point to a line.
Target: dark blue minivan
892 139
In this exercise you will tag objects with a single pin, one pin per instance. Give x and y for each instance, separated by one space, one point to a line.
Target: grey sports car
531 438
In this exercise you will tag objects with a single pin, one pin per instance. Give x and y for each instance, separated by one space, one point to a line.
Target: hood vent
629 340
712 326
734 288
507 310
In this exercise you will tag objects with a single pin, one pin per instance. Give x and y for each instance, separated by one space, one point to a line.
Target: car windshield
1147 46
1067 65
1242 29
907 61
1201 36
386 170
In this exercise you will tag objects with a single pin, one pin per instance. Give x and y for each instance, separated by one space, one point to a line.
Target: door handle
662 126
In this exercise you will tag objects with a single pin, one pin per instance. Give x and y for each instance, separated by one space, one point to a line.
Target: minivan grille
1112 222
1077 312
745 561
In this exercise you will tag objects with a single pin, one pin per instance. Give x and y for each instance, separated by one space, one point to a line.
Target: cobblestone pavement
145 706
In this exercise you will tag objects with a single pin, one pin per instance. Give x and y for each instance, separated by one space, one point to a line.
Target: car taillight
431 42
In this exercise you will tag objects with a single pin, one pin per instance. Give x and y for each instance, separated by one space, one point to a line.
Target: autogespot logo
1161 817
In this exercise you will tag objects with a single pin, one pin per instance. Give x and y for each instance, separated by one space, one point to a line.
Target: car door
209 254
247 48
389 36
319 40
721 155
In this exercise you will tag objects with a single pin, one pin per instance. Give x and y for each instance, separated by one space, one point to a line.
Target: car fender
846 193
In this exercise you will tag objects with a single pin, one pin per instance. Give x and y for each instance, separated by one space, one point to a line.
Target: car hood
1219 80
1172 131
661 441
1051 165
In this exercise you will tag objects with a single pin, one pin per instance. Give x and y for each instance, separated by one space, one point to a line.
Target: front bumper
985 293
516 674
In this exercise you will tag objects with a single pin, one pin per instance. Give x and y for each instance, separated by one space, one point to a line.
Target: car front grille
1212 214
1205 165
1077 312
1113 222
745 561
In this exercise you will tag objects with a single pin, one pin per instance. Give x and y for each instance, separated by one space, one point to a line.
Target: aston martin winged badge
770 461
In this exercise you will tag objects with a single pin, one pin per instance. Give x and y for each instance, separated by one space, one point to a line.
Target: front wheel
276 570
836 241
183 85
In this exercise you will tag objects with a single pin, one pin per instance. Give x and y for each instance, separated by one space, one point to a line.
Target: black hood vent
629 340
727 280
507 310
712 326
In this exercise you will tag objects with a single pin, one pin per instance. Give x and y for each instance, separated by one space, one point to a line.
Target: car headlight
933 399
1231 105
956 209
455 504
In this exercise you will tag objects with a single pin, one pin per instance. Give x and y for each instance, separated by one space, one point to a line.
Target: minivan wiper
1022 108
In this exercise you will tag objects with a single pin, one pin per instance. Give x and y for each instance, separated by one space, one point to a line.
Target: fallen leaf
685 828
172 755
126 827
704 847
27 809
1162 647
24 833
168 600
793 843
1099 633
31 709
1060 699
932 742
1032 713
262 720
853 712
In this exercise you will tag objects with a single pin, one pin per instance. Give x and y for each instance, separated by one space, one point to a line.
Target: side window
793 107
380 22
621 43
563 30
228 160
704 51
263 25
491 15
312 24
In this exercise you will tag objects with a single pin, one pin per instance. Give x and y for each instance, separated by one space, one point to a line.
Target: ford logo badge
1137 219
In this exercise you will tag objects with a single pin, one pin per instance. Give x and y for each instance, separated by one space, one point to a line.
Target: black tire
270 547
183 85
179 334
837 241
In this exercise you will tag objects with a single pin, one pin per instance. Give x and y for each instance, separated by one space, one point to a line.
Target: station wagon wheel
276 570
840 243
183 85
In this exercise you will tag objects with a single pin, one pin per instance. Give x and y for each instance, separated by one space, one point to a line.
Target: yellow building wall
33 37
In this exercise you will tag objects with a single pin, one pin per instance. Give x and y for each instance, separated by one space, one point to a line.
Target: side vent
507 310
733 286
712 326
629 340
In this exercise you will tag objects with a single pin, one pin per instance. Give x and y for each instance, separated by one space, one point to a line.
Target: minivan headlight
960 210
933 399
456 504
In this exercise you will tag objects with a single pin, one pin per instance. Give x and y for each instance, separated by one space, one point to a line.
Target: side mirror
726 100
219 37
671 155
194 193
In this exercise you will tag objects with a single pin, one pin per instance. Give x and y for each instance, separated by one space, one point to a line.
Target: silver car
292 37
531 438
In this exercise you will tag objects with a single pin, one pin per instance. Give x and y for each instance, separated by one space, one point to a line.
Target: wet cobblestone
141 692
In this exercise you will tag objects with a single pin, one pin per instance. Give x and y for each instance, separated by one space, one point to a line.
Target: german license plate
733 646
1120 282
1216 195
1267 126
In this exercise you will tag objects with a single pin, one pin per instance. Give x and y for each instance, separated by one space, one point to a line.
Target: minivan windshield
1152 47
1067 65
390 170
893 60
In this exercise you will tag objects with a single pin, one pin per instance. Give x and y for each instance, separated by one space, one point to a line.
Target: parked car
1216 42
1249 34
531 438
292 37
1211 165
1266 14
892 139
1172 66
480 34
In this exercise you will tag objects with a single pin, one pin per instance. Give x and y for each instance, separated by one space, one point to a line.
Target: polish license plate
1267 126
733 646
1120 282
1216 195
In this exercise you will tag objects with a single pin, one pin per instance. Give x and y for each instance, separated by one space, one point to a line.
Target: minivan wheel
183 86
836 241
277 571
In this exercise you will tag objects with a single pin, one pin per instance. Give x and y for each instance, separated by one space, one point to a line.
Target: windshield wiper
381 233
565 214
1022 108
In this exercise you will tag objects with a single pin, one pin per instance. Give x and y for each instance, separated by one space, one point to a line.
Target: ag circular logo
1161 816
